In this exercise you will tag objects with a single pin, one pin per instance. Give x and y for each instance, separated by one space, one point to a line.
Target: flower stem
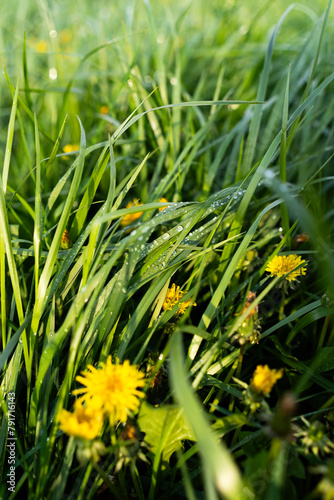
113 489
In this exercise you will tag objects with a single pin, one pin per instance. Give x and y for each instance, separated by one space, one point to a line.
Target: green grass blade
282 161
9 143
217 463
256 120
25 71
38 214
52 256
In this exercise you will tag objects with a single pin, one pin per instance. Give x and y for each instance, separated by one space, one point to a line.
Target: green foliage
165 428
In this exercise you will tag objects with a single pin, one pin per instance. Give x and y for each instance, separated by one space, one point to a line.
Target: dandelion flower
83 423
162 200
113 389
65 36
173 296
41 46
129 218
69 148
280 265
264 379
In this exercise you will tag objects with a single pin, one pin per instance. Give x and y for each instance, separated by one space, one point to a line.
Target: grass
226 112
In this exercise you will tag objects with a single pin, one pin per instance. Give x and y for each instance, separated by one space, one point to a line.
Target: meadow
166 250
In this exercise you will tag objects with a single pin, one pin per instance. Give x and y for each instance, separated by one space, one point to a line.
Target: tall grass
225 111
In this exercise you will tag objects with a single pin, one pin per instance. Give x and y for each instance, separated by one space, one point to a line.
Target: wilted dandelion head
65 242
113 388
281 265
264 379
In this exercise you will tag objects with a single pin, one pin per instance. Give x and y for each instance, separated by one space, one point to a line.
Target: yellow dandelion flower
69 148
173 296
162 200
129 218
264 379
113 389
83 423
104 110
41 46
280 265
65 36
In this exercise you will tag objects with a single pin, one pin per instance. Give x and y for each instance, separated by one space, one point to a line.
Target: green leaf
324 359
165 428
226 424
297 468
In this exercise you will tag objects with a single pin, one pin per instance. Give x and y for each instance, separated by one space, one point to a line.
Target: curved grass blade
218 465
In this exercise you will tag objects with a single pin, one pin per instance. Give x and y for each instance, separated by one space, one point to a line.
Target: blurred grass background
189 37
190 50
